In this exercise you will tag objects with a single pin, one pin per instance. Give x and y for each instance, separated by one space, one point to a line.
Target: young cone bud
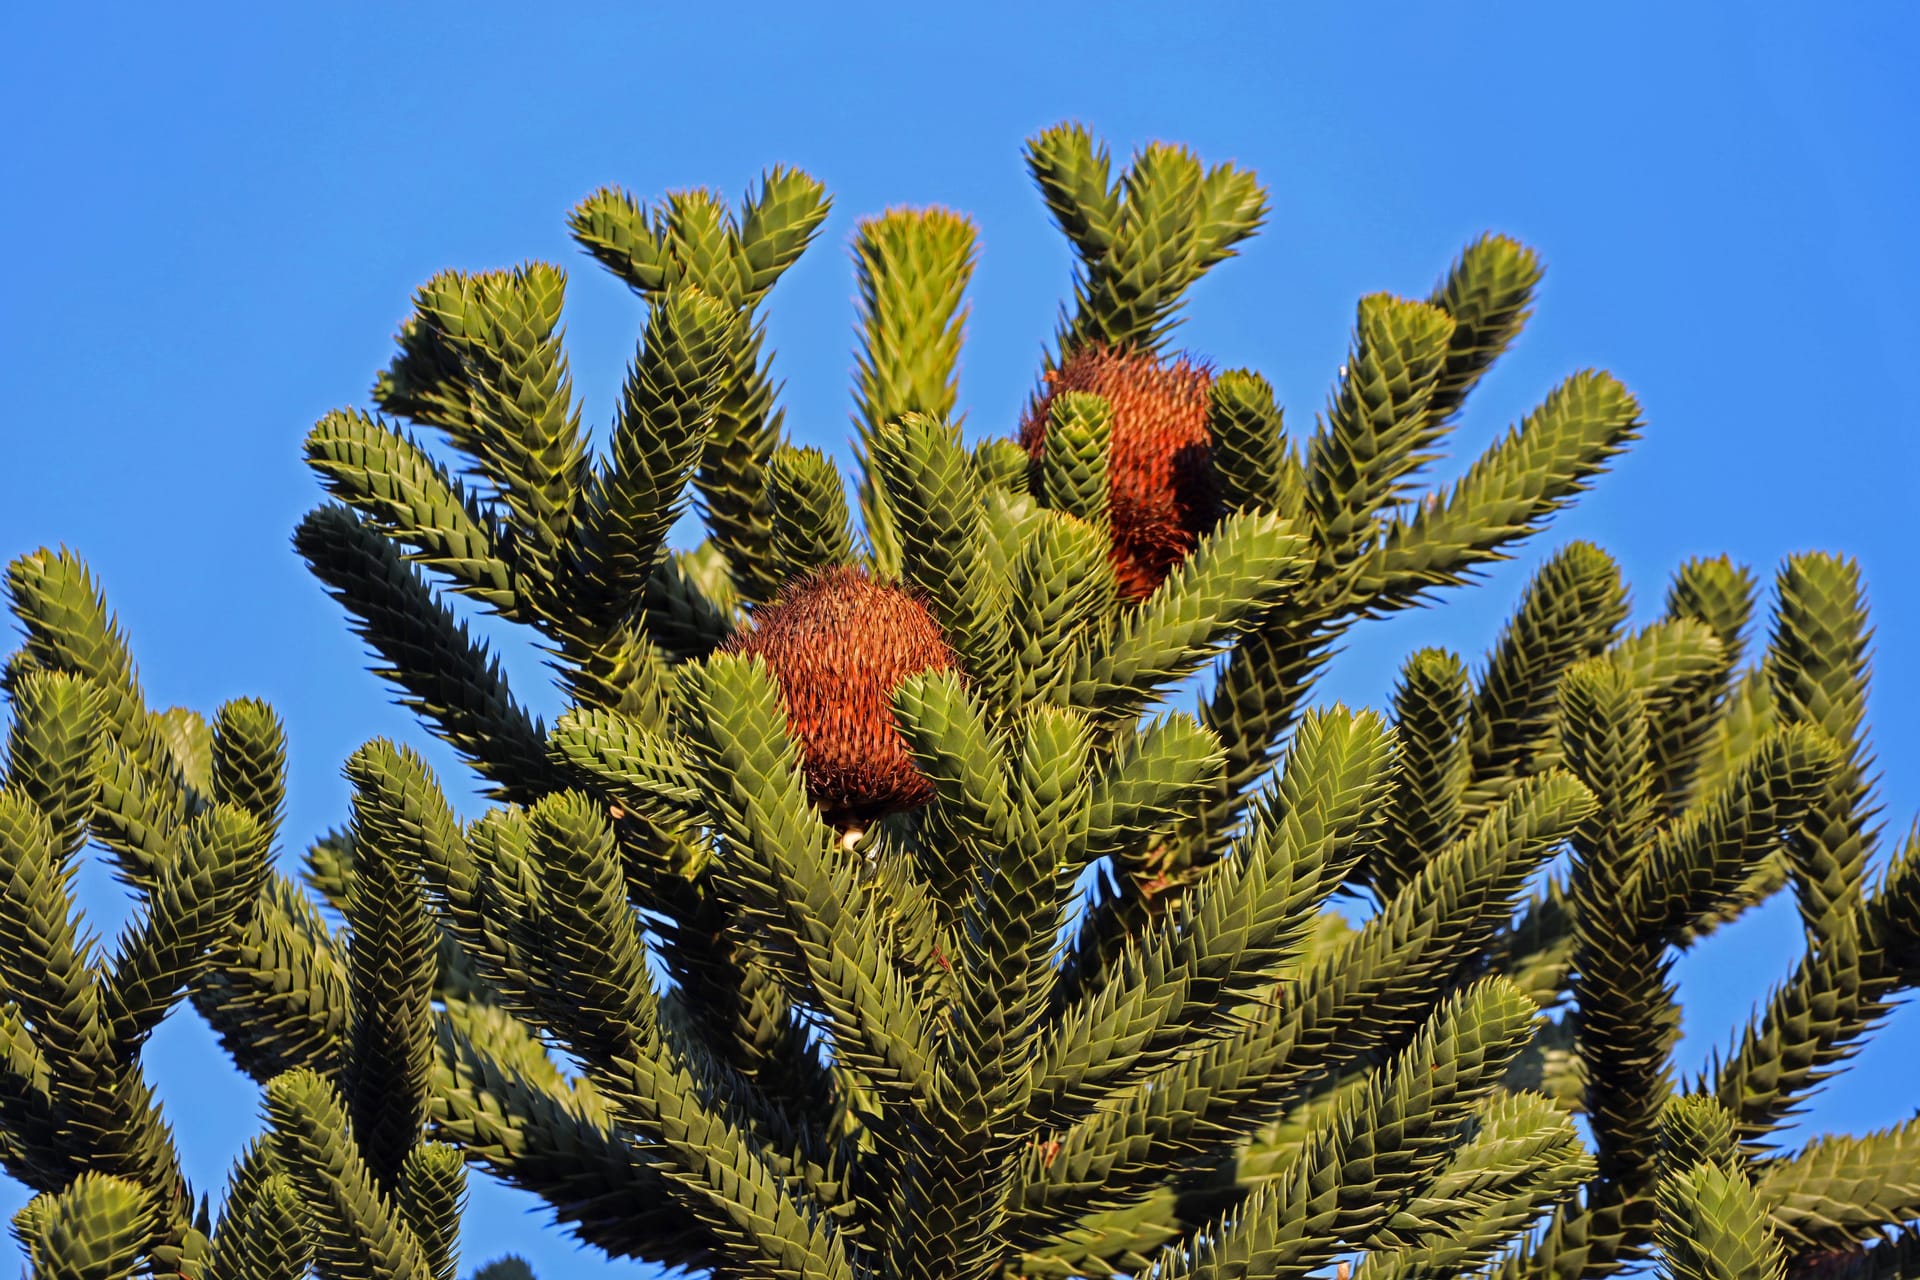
1161 491
839 645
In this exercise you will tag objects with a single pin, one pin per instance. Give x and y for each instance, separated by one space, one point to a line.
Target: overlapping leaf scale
1233 204
655 249
51 751
783 864
1002 464
601 1000
739 1195
731 482
395 484
498 1095
953 1196
1627 1020
1139 279
1212 597
777 223
136 817
1377 430
69 629
201 895
276 995
1698 865
1252 463
47 967
1154 776
1571 610
1509 492
392 967
936 501
1154 773
429 1194
1842 1190
1719 594
1063 595
1143 245
1382 1148
1321 818
1817 667
1371 991
482 359
1074 174
659 430
810 528
1186 979
1489 294
1696 1129
693 241
1075 456
1524 1158
955 749
97 1228
1425 809
263 1231
1005 517
1474 1238
1019 899
358 1234
443 674
488 890
1665 660
250 763
912 267
641 768
1713 1227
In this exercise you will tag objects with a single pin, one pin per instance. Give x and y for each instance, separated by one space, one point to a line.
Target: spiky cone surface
839 644
1161 491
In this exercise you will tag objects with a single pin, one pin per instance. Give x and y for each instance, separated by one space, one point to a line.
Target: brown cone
1161 493
839 645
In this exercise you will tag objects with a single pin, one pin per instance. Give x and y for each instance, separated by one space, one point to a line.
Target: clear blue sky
217 215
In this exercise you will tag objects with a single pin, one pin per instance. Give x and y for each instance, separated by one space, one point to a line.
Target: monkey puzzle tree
866 914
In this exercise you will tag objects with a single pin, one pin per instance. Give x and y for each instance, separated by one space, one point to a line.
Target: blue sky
218 214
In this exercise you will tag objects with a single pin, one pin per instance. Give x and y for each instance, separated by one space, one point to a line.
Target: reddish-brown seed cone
839 645
1161 494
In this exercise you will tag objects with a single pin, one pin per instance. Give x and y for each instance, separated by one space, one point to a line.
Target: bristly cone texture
1161 494
839 645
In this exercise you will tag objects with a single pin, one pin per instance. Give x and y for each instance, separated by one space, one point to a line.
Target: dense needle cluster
838 645
1161 495
1078 1004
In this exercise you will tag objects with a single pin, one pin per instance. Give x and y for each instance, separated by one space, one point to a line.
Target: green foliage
191 814
1142 241
1073 465
912 267
94 1230
1090 1009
